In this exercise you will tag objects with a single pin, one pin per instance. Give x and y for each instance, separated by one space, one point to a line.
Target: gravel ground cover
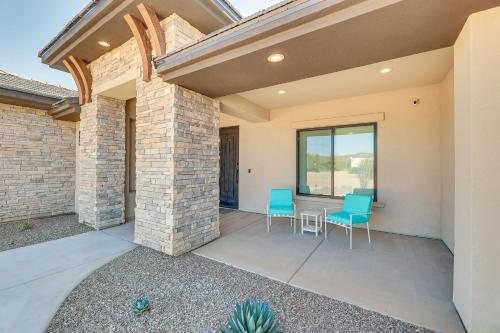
45 229
194 294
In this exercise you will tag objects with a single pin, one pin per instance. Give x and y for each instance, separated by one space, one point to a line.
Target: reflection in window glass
315 162
354 160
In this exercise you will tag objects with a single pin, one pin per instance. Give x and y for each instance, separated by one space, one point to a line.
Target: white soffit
122 87
412 71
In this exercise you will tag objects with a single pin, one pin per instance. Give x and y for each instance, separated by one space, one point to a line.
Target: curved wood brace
139 32
156 32
84 75
76 76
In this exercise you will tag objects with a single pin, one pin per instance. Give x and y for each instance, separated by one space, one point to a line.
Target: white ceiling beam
240 107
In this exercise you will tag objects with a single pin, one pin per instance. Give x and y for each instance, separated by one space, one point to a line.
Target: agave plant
141 306
252 317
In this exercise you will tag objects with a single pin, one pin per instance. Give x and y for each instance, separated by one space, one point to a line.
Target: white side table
318 217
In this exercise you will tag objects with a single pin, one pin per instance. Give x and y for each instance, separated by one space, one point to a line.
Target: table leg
316 226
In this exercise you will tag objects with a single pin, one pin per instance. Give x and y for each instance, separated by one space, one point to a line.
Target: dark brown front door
229 166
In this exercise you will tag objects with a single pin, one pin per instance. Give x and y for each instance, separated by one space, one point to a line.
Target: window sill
329 201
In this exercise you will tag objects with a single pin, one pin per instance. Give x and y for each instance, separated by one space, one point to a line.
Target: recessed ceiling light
282 92
103 43
276 57
386 70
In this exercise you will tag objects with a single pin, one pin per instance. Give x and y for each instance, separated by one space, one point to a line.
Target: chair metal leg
326 233
301 224
345 230
368 228
294 225
350 241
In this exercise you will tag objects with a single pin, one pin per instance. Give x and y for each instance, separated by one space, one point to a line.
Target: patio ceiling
316 38
412 71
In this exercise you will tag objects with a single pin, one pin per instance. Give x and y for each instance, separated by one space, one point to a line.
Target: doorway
130 159
229 166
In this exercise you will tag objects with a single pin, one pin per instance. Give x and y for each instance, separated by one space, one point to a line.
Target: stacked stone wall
37 164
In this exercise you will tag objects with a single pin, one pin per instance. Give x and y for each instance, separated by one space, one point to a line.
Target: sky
344 144
29 25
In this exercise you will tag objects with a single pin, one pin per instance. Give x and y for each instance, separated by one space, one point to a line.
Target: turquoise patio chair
281 205
356 210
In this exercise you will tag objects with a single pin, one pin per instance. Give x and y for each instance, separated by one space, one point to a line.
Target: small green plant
252 317
26 225
141 306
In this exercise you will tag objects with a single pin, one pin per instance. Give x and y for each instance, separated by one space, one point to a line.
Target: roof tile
30 86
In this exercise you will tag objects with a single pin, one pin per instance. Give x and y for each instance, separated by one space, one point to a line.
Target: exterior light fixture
386 70
276 57
103 43
282 92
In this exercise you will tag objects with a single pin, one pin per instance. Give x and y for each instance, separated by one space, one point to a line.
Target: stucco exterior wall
447 162
462 275
37 164
409 175
477 161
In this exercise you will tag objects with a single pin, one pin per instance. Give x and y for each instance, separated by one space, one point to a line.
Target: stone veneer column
177 153
154 164
196 170
102 163
177 159
177 168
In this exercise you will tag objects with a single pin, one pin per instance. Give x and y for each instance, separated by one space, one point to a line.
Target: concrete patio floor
405 277
36 279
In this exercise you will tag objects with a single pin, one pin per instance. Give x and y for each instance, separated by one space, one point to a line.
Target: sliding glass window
335 161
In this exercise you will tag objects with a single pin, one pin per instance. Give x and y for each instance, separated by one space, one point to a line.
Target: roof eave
67 109
79 25
99 8
228 9
251 29
20 98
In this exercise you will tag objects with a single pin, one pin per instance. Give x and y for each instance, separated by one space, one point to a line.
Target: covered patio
405 277
322 98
